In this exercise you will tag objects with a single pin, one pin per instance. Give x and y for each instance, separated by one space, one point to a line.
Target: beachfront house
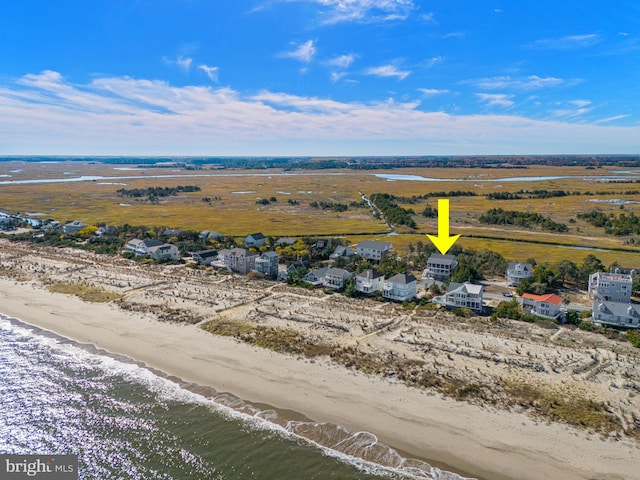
369 282
517 272
164 252
172 232
285 241
267 264
341 251
204 257
239 260
545 306
140 247
316 277
625 270
74 227
335 278
372 250
400 287
440 267
619 314
464 295
255 240
611 287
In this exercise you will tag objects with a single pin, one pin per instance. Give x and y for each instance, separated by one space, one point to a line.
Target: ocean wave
360 449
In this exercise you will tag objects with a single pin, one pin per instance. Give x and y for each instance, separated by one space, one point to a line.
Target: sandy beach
469 438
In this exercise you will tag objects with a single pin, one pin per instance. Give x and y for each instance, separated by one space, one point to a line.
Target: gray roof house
204 257
255 240
611 287
140 247
164 252
619 314
341 251
516 272
440 267
316 277
400 287
369 282
267 264
208 234
335 278
464 295
371 250
74 226
239 260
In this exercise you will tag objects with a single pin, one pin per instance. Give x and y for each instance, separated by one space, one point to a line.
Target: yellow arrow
443 241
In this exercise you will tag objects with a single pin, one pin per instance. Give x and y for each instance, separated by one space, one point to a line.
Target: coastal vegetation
498 216
85 291
393 214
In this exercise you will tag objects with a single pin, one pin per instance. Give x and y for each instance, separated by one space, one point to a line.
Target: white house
316 277
611 287
141 247
267 264
516 272
335 278
400 287
440 267
619 314
164 252
255 240
369 282
546 306
464 295
371 250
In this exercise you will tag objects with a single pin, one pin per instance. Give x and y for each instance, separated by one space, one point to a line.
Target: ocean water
126 422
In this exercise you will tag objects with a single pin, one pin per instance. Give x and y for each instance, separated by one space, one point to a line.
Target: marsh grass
86 292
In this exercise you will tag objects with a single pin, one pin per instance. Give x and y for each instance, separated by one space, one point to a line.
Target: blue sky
319 77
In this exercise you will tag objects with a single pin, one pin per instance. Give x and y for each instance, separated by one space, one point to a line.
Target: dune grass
88 293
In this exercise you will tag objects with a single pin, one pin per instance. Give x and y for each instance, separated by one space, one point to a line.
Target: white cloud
580 103
183 63
342 61
496 99
569 41
388 71
338 11
336 76
211 72
303 53
524 83
432 91
46 114
429 18
433 61
611 119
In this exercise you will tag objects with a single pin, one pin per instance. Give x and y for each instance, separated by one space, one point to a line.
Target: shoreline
479 441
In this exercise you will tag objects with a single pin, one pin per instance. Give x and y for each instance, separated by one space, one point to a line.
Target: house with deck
464 295
440 267
316 276
372 250
335 278
617 314
400 288
141 247
369 282
267 264
611 287
517 272
239 260
164 252
545 306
